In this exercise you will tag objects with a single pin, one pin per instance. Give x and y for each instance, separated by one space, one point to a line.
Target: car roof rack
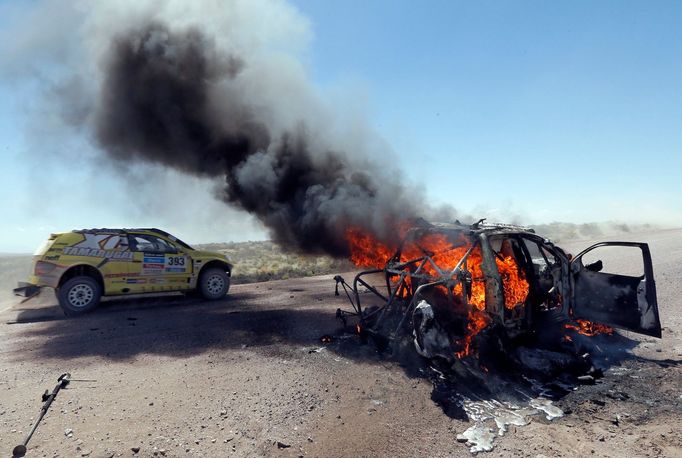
105 230
124 231
482 225
148 229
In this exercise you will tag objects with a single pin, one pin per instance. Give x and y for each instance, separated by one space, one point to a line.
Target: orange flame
588 328
477 321
513 282
367 251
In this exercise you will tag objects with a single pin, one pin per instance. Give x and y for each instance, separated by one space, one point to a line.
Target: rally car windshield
181 243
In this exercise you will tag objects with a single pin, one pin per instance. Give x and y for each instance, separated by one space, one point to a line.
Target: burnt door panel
616 299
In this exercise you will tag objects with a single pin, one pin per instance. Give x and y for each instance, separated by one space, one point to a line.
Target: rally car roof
123 231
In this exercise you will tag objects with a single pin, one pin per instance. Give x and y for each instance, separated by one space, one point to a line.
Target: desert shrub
262 261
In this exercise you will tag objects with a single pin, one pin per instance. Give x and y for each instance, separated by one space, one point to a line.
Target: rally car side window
150 243
165 246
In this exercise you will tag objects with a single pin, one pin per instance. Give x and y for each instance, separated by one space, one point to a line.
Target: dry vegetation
262 261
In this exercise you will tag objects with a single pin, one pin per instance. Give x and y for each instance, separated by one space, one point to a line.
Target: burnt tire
214 283
79 295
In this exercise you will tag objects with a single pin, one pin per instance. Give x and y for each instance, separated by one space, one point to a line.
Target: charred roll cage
559 287
408 281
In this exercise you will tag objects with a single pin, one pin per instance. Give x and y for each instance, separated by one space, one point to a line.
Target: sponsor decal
108 246
175 269
51 258
122 274
136 281
156 264
103 242
152 269
113 255
152 264
154 258
176 264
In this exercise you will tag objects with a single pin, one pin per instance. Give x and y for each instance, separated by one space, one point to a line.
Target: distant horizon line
629 228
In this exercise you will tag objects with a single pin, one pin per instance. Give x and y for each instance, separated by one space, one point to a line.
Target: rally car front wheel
79 295
213 283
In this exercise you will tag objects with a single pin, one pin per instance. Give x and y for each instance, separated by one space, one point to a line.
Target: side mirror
596 266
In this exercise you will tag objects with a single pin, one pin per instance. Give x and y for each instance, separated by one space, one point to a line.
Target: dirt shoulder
248 376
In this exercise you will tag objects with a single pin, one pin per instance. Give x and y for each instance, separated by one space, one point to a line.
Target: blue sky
543 111
582 99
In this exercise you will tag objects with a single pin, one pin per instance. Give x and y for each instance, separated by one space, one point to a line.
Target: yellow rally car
82 266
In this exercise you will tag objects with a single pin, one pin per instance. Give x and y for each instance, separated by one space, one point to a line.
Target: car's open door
626 299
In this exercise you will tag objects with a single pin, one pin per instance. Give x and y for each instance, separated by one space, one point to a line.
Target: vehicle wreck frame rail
395 302
563 289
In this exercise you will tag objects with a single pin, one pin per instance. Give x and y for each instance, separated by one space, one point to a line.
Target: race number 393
175 261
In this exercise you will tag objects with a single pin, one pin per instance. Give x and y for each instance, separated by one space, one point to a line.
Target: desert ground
249 376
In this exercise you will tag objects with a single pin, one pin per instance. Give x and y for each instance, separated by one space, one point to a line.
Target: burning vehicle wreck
446 283
503 318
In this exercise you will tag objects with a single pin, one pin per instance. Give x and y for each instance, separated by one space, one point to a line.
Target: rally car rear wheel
79 295
214 284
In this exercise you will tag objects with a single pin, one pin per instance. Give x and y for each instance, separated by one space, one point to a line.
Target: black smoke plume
168 97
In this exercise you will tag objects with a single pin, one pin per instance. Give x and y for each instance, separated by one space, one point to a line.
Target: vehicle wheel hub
215 284
81 295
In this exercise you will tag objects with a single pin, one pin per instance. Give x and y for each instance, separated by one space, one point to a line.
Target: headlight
44 268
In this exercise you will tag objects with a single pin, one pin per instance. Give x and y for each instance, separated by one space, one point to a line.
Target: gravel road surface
248 376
